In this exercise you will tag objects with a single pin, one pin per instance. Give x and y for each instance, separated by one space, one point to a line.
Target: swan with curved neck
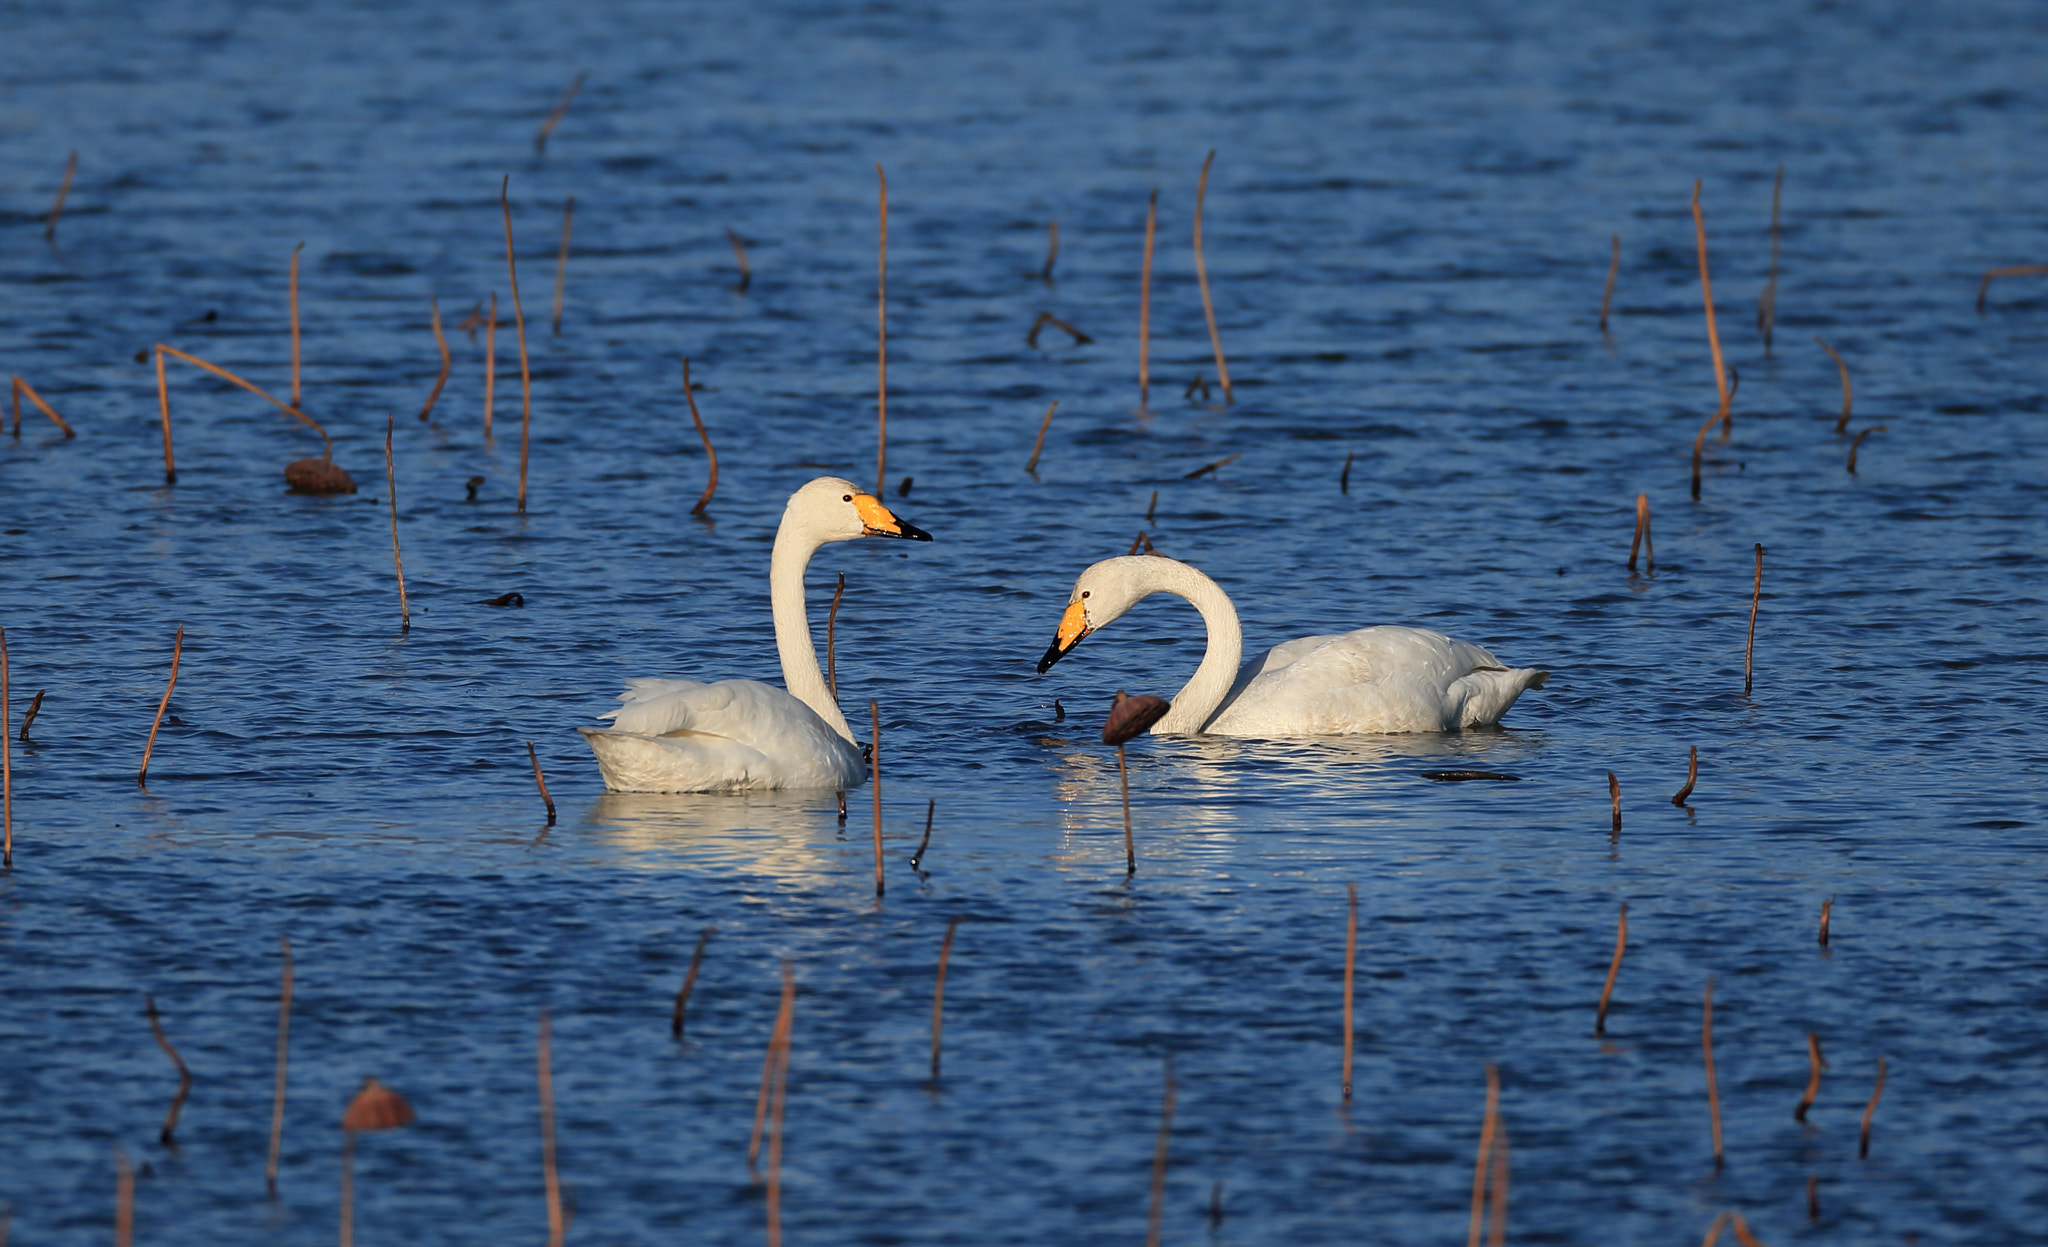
1380 679
743 735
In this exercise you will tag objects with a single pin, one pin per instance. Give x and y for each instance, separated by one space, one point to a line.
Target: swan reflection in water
784 834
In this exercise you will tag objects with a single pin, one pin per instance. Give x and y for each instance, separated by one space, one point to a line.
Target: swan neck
1202 696
801 674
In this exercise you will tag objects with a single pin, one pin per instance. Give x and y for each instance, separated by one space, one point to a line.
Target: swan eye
848 498
1084 593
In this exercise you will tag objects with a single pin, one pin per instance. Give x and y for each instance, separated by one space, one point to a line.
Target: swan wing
1382 679
734 735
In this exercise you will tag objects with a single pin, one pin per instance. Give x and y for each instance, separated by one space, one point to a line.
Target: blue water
1407 233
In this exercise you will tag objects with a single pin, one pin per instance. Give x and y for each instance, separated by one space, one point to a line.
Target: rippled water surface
1407 231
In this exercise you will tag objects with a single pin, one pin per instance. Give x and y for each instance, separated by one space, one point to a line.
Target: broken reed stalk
831 664
397 560
711 486
1613 970
1767 303
562 261
931 807
1344 477
675 1020
164 399
1202 274
1208 468
490 364
1031 468
1755 597
295 321
1123 776
739 252
519 318
1350 964
156 1026
1614 799
163 402
1142 542
1151 506
776 1035
1047 318
545 1061
875 779
447 360
22 387
1856 443
541 782
781 1096
1052 251
71 168
1498 1234
1699 446
1816 1063
34 705
1841 422
1699 223
284 1030
6 764
1159 1153
177 648
1607 295
1827 908
1692 775
882 340
1642 537
1713 1091
1870 1111
1145 305
939 992
540 140
124 1198
1983 288
1479 1169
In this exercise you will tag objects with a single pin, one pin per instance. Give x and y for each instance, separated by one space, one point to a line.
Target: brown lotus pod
1130 716
376 1107
318 476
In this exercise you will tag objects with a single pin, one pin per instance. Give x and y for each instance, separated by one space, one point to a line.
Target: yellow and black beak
881 522
1073 626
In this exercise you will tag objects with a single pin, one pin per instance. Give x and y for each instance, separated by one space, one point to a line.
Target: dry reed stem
1856 443
675 1020
22 387
562 261
1699 445
541 782
1741 1228
1863 1136
1614 799
1642 537
163 402
71 169
1755 597
1497 1236
710 486
1151 506
1827 908
768 1061
6 763
540 140
397 560
124 1198
1047 318
882 340
177 648
1159 1153
1812 1197
1142 542
875 779
1767 303
1983 288
939 992
1145 305
1123 776
1815 1060
1714 1231
1841 422
931 807
781 1097
1713 1090
739 252
156 1026
348 1187
1350 964
284 1030
1052 251
1344 477
1031 468
447 360
1202 274
519 319
1207 468
490 365
163 395
34 705
1613 970
1699 223
831 660
1692 775
295 321
1486 1132
544 1059
1607 295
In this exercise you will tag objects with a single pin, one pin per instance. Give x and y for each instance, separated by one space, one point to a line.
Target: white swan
1384 679
743 735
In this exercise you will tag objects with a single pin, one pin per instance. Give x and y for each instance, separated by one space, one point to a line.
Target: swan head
1102 594
839 510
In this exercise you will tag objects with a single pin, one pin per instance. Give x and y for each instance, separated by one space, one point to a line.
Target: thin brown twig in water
1047 318
1052 251
397 560
544 1059
163 395
1841 422
1123 777
1145 306
1755 597
1699 223
562 261
295 321
1767 303
156 1027
875 778
781 1096
939 992
1613 970
1159 1154
675 1020
1713 1090
1350 964
540 140
519 318
1812 1197
1614 798
1497 1236
1344 477
1141 542
739 252
71 168
1863 1136
284 1030
1984 287
541 782
447 361
1207 468
33 706
1486 1130
1151 506
1815 1060
1607 295
1642 533
1856 443
490 365
1827 908
6 763
882 340
931 807
1692 775
831 666
1714 1231
1202 274
1741 1228
1699 446
163 402
768 1061
124 1198
177 648
22 387
1031 468
711 486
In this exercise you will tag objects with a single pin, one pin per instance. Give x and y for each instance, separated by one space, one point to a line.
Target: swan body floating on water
1382 679
743 735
